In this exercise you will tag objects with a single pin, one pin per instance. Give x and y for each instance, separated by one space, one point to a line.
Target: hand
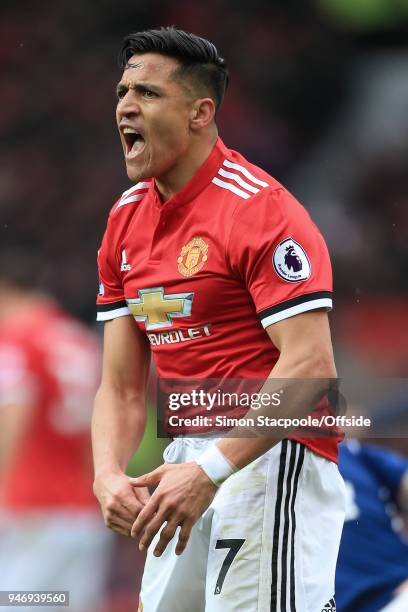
120 502
183 494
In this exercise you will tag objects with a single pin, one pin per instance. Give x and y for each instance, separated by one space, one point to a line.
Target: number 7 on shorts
234 546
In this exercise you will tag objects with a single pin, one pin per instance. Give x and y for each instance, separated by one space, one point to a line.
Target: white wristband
215 465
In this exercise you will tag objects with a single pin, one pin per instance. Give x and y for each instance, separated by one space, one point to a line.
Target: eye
148 93
121 92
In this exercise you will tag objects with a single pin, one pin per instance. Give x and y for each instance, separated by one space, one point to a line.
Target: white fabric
244 509
131 199
230 187
123 311
295 310
215 465
238 179
245 172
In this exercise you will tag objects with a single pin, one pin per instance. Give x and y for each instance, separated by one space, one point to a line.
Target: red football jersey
207 271
50 363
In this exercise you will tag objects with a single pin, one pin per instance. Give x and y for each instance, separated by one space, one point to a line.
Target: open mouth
134 142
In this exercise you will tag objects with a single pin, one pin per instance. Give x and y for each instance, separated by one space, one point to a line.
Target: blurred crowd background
318 97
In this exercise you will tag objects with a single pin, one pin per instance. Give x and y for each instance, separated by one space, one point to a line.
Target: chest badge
192 256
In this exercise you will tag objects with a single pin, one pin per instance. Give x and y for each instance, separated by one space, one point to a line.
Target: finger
144 516
121 530
142 495
148 479
111 519
131 508
184 536
166 534
150 531
124 508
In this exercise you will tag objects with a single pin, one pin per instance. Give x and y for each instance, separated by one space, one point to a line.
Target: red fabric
235 281
54 372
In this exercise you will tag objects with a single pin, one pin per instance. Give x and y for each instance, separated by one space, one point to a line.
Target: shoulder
125 206
238 177
123 210
254 189
120 218
251 171
130 198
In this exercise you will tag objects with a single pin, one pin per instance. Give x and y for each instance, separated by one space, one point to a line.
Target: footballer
212 267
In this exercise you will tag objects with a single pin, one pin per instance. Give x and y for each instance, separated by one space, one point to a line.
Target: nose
128 106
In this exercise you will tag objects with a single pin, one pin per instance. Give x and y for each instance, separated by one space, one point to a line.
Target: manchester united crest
192 256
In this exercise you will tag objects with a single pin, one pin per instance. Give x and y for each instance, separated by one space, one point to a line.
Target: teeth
128 130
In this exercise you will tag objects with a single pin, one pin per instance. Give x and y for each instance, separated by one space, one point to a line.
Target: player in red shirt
49 524
226 277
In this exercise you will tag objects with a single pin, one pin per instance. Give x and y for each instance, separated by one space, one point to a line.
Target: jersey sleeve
110 301
280 255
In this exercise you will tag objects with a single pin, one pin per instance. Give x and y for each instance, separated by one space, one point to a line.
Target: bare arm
184 491
119 420
305 347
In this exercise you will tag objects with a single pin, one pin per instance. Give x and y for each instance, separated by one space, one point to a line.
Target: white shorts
268 542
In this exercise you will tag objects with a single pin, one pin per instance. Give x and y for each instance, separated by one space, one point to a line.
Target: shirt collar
198 182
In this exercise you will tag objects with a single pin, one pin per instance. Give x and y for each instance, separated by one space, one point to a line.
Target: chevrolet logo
157 310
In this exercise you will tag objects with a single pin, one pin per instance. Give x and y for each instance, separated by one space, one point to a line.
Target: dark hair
198 57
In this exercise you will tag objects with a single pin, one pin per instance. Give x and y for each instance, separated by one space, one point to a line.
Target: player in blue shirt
373 557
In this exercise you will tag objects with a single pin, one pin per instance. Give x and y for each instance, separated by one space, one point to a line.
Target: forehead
151 67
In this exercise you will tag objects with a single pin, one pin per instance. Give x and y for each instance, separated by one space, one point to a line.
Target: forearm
303 383
118 424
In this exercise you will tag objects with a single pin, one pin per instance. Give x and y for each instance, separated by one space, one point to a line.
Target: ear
202 113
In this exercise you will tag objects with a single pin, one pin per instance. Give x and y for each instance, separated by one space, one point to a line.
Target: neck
178 177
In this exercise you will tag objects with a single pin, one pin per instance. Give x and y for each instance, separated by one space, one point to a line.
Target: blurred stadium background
318 96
